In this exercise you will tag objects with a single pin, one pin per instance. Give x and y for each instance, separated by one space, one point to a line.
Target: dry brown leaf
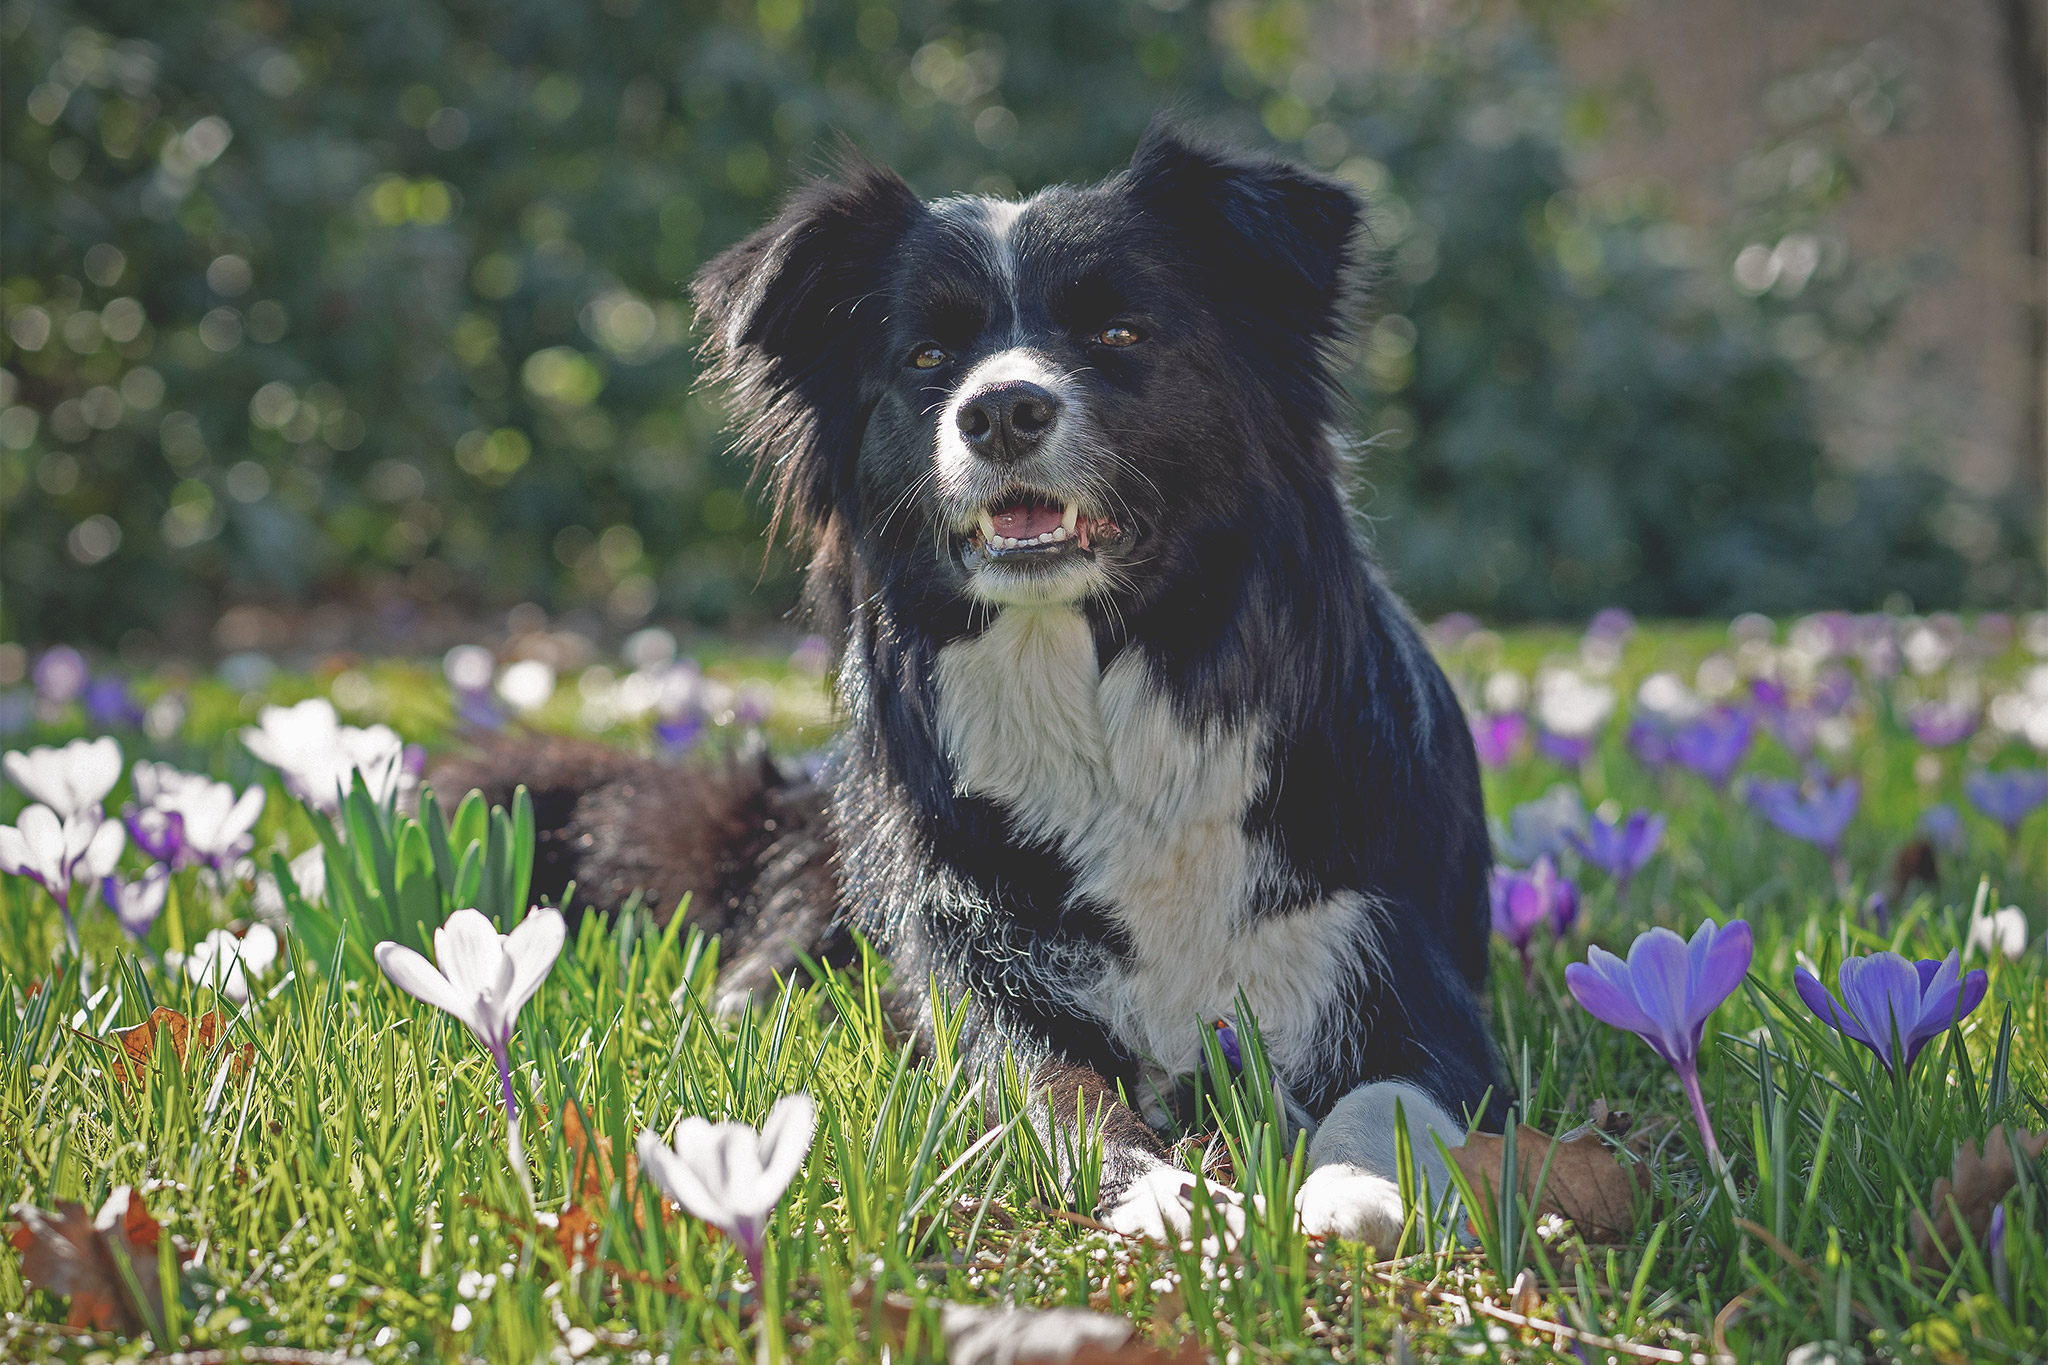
66 1252
1975 1184
591 1160
138 1044
1586 1183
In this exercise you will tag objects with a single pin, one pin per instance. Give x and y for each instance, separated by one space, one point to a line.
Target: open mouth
1022 526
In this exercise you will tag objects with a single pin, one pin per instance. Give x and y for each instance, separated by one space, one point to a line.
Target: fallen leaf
1586 1184
577 1234
590 1160
1976 1182
80 1257
976 1335
138 1044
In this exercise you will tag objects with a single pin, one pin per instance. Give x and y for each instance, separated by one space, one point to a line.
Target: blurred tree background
379 303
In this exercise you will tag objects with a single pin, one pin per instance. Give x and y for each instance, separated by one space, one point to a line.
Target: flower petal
533 947
1720 958
43 833
471 953
105 849
1660 968
1601 986
681 1171
786 1137
1883 992
414 975
1821 1003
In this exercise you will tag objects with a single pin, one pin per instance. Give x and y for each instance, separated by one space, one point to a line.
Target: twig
1562 1331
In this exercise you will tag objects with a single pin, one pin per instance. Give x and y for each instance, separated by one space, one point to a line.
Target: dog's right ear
784 313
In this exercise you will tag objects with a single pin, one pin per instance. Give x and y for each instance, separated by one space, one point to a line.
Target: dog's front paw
1342 1200
1160 1204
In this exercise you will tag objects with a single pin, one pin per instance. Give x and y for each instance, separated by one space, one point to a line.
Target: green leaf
437 840
418 903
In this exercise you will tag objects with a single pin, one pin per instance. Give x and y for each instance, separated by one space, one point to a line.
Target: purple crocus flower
1612 623
1941 724
137 903
1941 824
678 734
2008 797
1568 750
1714 745
1538 828
1888 1002
1524 902
109 705
1664 993
1818 816
60 675
1499 736
158 832
1226 1042
1619 849
475 709
1649 739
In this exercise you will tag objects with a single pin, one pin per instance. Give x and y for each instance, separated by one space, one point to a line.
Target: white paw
1349 1201
1160 1205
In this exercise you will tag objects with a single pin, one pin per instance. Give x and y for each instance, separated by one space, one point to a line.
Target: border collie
1135 731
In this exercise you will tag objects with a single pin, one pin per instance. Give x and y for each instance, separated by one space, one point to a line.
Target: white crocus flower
57 852
309 875
731 1175
1569 705
484 978
69 779
226 963
317 753
2001 931
159 785
217 823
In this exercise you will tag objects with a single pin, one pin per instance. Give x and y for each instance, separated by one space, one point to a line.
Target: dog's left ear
1278 237
784 312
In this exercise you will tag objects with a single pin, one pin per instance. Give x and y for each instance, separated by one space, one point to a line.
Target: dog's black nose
1007 421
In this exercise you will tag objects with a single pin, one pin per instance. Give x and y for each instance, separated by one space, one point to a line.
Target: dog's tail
746 845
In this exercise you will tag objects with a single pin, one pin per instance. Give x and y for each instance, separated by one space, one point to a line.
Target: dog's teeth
1071 517
1057 533
988 526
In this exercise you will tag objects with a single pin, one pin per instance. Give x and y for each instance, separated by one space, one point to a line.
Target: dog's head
1046 400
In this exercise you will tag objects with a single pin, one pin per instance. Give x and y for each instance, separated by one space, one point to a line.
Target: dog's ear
1276 237
784 312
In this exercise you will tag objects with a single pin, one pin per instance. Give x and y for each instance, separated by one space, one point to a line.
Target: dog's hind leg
1353 1185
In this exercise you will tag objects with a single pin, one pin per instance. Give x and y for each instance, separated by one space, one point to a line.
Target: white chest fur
1150 812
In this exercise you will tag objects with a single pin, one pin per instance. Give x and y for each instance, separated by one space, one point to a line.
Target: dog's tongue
1024 520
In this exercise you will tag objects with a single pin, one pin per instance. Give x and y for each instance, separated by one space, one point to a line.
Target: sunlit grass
350 1190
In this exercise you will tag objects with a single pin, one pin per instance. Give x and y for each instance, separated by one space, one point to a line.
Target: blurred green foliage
369 299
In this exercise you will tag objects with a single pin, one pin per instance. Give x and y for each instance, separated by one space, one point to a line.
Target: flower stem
1689 1075
769 1347
503 1054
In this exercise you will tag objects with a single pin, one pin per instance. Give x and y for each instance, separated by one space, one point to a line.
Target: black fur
1255 592
1241 579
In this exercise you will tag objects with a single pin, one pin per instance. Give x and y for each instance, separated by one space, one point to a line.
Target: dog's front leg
1141 1193
1353 1185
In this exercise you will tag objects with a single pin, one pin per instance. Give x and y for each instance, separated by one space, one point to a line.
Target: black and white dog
1134 728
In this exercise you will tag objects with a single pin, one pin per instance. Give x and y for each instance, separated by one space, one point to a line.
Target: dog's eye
1117 336
929 357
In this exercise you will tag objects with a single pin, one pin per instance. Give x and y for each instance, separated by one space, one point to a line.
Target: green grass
351 1191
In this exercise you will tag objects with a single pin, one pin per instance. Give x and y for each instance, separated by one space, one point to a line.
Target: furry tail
747 846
